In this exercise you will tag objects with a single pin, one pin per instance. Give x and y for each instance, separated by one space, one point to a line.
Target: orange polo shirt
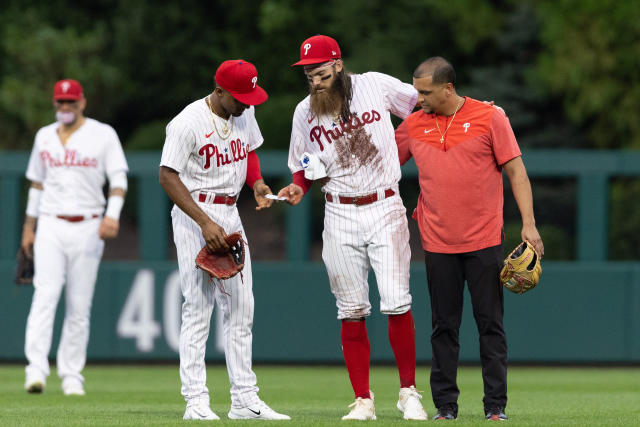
460 203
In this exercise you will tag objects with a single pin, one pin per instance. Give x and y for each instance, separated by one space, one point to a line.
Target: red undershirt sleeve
253 169
299 179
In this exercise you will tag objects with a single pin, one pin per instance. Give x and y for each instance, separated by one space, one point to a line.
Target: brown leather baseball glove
223 264
522 270
24 268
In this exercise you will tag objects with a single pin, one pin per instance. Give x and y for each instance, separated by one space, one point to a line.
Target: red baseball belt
359 200
77 218
218 199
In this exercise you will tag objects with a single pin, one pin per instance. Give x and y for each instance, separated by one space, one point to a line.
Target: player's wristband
33 202
304 183
114 206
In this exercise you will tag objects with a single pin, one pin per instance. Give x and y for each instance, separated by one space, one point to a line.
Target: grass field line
319 396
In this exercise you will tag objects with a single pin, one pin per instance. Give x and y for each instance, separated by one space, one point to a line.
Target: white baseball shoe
34 384
199 411
363 409
259 411
409 403
72 387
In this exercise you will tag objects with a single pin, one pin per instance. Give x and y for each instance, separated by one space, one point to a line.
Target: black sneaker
495 413
448 411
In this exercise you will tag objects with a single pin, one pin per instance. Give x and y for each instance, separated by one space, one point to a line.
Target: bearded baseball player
208 154
67 169
343 131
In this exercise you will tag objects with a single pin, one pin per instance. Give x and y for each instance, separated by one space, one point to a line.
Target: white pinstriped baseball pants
356 238
64 252
200 296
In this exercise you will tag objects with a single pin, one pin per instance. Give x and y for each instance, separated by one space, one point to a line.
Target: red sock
356 350
402 336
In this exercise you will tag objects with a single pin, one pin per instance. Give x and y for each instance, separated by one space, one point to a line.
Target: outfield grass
319 396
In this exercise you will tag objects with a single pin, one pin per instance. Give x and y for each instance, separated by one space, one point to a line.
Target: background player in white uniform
67 169
208 153
346 123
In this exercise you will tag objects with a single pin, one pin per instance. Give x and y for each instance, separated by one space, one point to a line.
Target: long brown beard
328 102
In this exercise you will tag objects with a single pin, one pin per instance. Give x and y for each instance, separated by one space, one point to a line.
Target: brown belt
218 199
76 218
360 200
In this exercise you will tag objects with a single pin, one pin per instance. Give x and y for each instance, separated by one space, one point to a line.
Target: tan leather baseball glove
223 264
521 271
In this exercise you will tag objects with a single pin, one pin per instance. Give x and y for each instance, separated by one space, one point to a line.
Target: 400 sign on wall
137 320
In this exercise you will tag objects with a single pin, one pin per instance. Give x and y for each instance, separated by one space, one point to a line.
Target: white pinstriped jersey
208 163
73 174
362 156
205 161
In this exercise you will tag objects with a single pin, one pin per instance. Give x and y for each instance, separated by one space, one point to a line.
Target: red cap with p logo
240 79
67 89
318 49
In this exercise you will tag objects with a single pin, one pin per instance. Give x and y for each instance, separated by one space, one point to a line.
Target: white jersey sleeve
115 160
400 98
178 145
297 142
256 138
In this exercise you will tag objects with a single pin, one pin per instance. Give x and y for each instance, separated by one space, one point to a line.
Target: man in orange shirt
461 146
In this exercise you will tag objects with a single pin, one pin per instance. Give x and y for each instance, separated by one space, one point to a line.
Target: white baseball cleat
72 387
409 403
199 411
34 385
259 411
363 409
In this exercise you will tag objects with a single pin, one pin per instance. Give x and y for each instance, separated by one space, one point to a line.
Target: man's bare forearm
521 187
179 194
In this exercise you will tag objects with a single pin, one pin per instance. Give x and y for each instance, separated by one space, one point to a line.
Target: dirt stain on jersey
356 149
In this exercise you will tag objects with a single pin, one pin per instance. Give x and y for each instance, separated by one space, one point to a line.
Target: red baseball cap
67 89
318 49
240 78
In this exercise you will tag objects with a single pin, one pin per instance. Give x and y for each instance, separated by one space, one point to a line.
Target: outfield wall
581 312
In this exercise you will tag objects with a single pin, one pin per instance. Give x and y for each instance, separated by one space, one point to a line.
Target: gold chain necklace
226 131
449 125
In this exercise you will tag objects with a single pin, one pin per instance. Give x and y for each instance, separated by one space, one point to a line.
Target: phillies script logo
238 152
71 158
319 132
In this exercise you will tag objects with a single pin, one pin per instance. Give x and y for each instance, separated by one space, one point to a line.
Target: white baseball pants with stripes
200 296
64 252
356 238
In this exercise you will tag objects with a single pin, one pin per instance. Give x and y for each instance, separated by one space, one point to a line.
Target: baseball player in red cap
209 153
67 169
342 133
